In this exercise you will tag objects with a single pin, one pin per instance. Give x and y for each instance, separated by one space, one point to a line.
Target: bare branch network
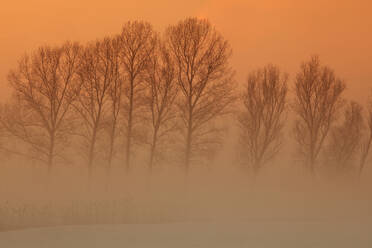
171 97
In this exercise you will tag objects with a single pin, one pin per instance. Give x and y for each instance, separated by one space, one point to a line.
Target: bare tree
2 128
162 92
345 140
262 119
45 85
317 101
137 42
201 56
96 74
367 141
115 99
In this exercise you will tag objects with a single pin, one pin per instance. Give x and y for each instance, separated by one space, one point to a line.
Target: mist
208 124
219 194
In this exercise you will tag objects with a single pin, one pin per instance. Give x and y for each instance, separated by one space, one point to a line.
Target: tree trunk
312 155
91 153
111 154
153 150
188 144
364 156
129 129
51 153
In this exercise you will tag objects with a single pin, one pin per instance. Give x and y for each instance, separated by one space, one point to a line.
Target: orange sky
260 31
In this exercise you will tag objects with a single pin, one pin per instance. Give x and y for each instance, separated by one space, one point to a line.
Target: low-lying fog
218 192
215 206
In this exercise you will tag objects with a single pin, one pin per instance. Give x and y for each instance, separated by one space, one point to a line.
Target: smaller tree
262 120
45 86
2 130
345 140
367 140
316 104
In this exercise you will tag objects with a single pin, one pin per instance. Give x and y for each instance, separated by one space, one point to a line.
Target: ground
255 234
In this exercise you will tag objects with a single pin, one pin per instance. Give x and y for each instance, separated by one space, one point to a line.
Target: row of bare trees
168 91
331 133
133 86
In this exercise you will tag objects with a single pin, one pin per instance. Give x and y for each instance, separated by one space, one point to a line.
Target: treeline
166 96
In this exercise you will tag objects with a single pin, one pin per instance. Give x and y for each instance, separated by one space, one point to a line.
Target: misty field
148 139
218 210
257 234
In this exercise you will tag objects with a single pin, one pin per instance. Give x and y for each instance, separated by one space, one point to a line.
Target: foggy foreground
213 208
265 234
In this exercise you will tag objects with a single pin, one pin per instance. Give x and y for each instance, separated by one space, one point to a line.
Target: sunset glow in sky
153 142
260 31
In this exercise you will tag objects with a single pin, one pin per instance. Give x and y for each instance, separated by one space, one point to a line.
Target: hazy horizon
98 135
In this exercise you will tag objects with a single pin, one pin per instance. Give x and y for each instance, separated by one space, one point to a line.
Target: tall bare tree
161 96
345 140
201 56
115 99
137 41
45 85
262 119
96 73
317 101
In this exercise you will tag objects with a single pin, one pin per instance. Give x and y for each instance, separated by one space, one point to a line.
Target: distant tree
137 44
316 104
367 139
161 95
262 120
201 56
45 85
96 73
345 140
2 129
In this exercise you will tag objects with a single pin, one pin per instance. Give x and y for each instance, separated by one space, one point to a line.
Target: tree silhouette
115 100
162 93
201 56
345 140
137 43
96 72
262 120
316 104
367 140
45 86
